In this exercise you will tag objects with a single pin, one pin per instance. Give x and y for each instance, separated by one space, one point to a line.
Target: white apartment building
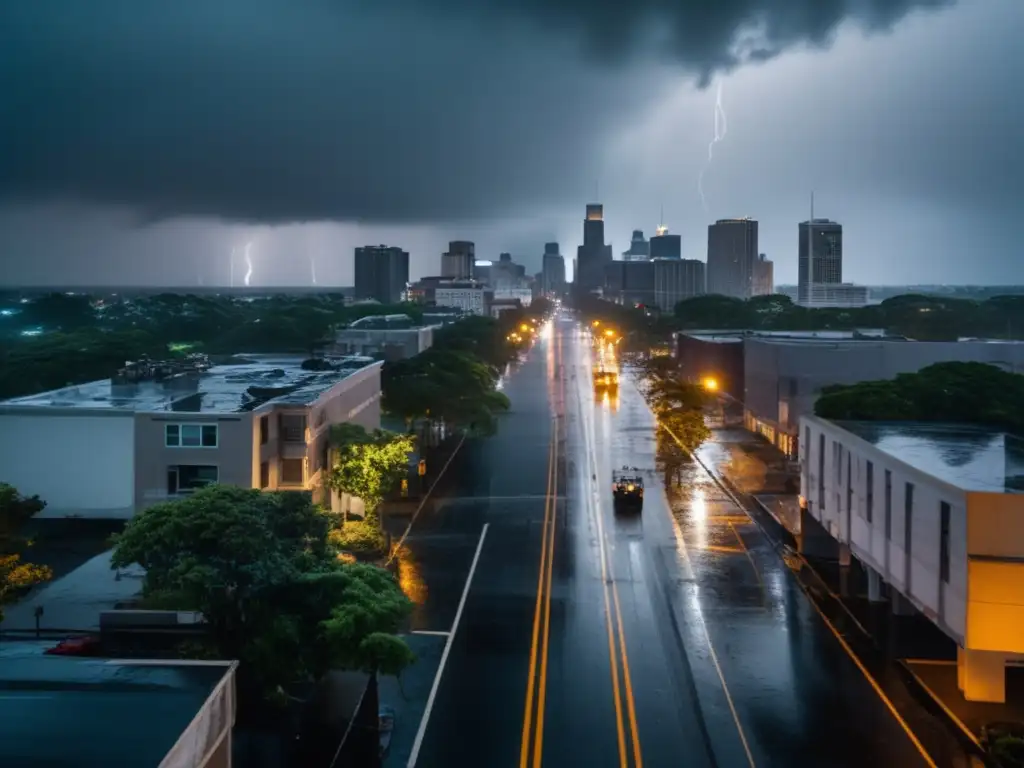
108 448
470 299
937 513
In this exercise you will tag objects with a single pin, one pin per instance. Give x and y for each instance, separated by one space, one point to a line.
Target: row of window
186 478
190 435
945 510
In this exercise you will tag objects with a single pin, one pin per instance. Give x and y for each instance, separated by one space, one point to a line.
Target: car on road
628 489
606 381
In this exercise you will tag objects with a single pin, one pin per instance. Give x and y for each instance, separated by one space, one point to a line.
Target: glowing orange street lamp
710 383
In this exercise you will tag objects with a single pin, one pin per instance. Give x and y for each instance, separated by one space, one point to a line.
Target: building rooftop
62 711
731 336
252 382
971 458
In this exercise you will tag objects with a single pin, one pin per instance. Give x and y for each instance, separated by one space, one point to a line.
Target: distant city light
484 263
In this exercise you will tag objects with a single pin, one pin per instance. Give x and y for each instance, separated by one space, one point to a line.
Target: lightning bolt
721 126
312 269
248 263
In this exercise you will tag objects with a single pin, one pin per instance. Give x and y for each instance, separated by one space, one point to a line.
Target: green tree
368 465
260 568
17 576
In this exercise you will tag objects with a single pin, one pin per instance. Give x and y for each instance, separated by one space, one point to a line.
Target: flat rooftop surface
728 336
974 459
254 381
58 711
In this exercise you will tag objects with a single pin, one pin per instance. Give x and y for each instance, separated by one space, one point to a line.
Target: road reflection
410 580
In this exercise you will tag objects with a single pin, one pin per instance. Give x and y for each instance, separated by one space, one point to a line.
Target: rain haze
144 142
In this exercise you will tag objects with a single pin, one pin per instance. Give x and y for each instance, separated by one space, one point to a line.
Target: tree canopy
368 465
261 569
17 576
967 393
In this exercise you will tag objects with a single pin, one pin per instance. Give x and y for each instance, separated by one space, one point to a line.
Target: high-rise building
457 263
552 271
639 248
675 280
629 282
666 246
382 272
732 252
823 240
764 277
593 255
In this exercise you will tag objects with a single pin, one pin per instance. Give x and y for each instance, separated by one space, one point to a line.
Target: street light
609 333
710 383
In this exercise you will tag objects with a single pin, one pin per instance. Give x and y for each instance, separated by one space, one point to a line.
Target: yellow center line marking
631 708
718 549
524 749
543 685
753 565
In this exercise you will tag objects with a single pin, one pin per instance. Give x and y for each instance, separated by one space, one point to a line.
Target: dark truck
628 489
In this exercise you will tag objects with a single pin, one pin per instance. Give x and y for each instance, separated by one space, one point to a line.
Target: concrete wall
914 570
80 461
783 380
232 456
721 359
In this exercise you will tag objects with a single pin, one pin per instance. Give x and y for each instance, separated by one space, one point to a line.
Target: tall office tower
666 246
458 262
732 251
639 248
592 256
764 277
824 239
552 271
382 272
676 280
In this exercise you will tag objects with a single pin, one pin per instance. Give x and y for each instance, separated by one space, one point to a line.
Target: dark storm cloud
290 110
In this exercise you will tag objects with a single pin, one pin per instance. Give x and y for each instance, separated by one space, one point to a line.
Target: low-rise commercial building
785 371
386 337
936 513
124 445
63 710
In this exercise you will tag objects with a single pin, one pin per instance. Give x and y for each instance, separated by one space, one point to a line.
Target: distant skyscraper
458 262
764 277
826 265
552 271
666 246
382 273
639 248
592 256
732 252
675 280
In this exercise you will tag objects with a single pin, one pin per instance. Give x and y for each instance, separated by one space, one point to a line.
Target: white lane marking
418 743
431 632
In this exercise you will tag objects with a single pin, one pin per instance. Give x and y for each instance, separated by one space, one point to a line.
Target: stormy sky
141 142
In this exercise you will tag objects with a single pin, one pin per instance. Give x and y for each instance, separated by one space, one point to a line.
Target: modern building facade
639 248
675 280
764 277
552 271
382 273
386 337
458 262
468 296
820 257
594 254
666 246
629 282
934 513
260 423
732 253
835 295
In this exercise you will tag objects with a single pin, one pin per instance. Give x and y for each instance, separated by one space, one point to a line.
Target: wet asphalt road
674 637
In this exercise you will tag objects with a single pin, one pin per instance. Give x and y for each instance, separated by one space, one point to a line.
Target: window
291 472
186 478
908 517
869 495
190 435
944 513
821 472
807 441
849 481
888 505
293 428
265 474
264 429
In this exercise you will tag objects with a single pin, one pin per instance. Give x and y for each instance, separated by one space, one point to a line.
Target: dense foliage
966 393
926 318
16 576
82 339
367 465
261 568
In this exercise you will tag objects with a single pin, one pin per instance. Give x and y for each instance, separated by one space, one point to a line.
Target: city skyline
885 128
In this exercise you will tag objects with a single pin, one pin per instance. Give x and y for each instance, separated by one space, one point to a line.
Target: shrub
358 536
